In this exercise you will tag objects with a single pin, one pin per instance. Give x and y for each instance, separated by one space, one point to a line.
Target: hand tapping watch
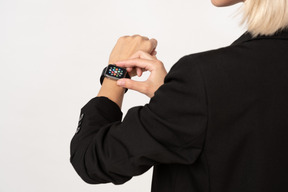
114 72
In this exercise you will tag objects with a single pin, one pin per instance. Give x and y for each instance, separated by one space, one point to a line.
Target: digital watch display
114 72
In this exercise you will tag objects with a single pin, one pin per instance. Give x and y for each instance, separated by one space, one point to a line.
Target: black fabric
217 124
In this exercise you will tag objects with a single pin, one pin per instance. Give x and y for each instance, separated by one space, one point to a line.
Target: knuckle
140 38
137 37
145 38
155 41
148 44
158 63
123 38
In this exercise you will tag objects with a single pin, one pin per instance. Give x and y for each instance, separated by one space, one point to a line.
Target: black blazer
219 123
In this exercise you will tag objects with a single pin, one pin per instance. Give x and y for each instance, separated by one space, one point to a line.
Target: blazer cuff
108 108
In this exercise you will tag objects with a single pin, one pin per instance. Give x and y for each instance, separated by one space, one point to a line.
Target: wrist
111 83
111 90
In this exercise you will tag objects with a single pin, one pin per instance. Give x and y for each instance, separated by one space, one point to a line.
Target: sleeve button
80 122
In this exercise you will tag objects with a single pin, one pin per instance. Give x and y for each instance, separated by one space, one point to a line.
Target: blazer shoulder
216 53
214 56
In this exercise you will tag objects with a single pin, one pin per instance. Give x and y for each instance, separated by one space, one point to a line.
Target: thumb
131 84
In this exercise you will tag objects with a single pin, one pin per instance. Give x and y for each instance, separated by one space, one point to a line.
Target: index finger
141 63
154 44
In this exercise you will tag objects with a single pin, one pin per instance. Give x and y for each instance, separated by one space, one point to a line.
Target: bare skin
224 3
137 54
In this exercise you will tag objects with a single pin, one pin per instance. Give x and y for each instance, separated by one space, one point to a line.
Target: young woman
223 127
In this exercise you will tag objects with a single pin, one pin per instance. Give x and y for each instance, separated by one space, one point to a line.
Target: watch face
115 72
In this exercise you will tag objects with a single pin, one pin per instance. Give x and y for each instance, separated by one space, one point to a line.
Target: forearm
111 90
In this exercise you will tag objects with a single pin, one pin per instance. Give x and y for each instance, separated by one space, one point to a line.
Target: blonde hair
265 17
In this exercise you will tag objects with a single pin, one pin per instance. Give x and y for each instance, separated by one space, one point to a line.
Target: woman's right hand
145 62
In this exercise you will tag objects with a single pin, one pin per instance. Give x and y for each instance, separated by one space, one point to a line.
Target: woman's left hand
126 46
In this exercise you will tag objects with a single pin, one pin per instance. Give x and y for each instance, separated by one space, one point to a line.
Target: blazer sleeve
170 129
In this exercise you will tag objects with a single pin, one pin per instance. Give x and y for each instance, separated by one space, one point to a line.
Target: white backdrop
52 53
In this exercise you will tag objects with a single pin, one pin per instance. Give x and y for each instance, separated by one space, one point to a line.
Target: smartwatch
114 72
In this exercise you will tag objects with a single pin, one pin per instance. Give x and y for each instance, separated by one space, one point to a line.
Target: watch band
103 76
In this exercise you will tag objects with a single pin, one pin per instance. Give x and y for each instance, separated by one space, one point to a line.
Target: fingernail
120 82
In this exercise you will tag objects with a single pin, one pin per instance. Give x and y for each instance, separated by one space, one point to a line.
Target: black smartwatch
114 72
